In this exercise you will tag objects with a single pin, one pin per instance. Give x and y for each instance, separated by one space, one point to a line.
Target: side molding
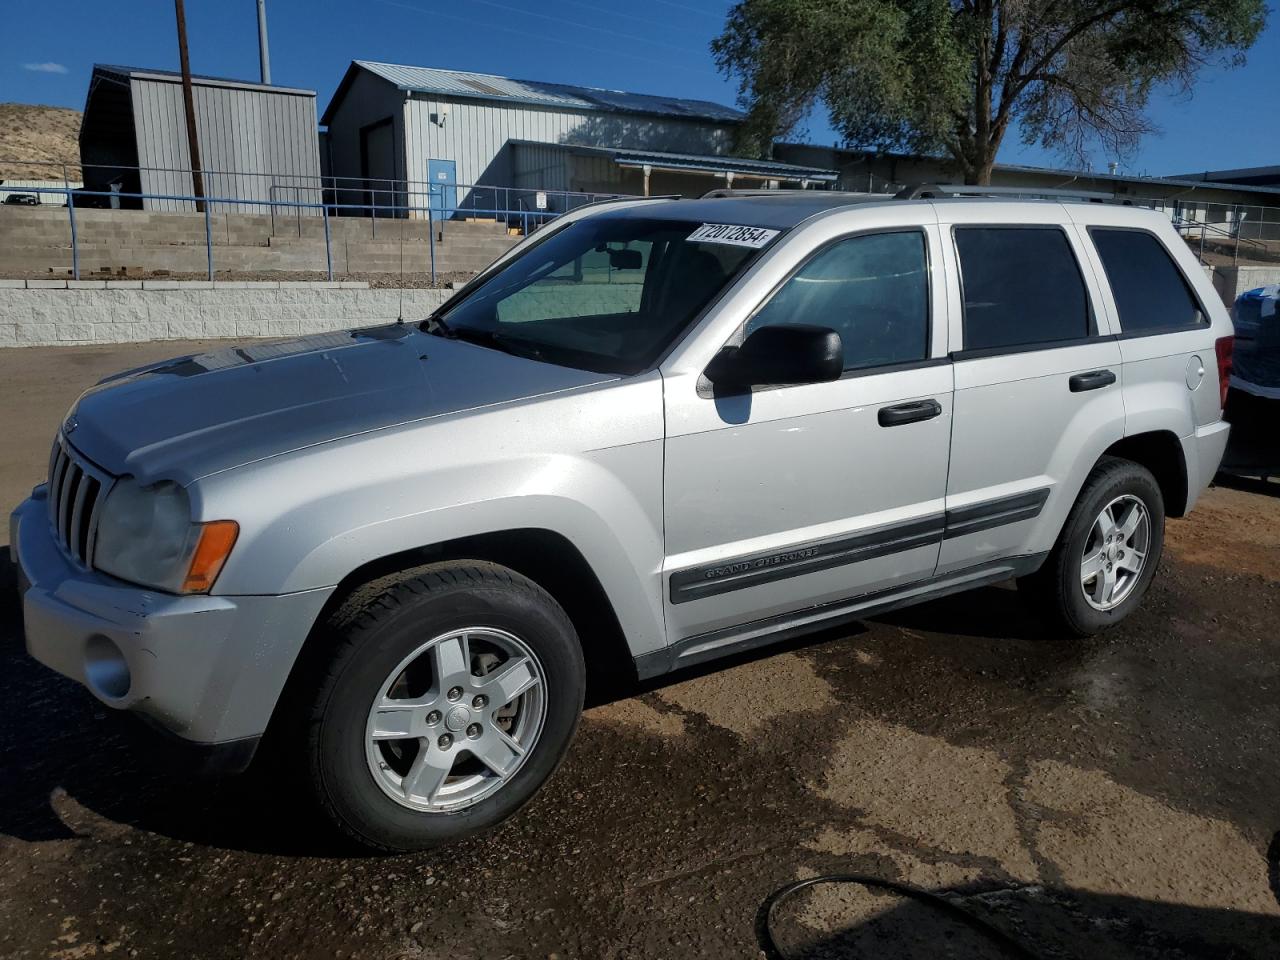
752 570
758 633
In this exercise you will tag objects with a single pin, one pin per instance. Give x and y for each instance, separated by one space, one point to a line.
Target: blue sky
659 46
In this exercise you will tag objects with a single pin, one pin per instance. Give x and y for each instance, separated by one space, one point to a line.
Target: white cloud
48 67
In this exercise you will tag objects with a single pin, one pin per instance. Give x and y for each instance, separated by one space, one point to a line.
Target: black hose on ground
764 916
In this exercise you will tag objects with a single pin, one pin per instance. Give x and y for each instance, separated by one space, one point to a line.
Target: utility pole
188 99
264 57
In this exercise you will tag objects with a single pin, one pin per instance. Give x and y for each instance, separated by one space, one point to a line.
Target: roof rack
934 191
721 192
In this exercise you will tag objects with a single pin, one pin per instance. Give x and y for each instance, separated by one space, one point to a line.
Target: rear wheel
452 696
1107 553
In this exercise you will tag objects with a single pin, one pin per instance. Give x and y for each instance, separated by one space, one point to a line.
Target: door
378 167
1037 384
1165 334
442 177
787 497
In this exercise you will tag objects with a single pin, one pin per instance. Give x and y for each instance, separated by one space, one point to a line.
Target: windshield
606 293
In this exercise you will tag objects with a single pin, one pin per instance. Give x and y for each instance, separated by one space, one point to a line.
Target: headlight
145 536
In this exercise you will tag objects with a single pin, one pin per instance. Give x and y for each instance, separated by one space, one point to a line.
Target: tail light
1223 347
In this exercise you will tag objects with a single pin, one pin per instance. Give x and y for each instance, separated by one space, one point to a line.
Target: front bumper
207 669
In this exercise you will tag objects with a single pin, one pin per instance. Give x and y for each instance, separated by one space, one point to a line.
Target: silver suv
654 433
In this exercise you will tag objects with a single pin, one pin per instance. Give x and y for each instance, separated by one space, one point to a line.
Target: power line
585 26
595 8
545 37
685 6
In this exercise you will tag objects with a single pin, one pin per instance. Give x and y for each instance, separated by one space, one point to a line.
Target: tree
952 76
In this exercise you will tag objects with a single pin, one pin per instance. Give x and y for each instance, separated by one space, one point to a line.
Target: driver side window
872 289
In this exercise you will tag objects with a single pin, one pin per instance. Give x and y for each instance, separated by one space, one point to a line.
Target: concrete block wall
1230 282
38 241
62 313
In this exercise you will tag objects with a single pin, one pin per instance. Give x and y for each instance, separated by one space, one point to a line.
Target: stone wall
66 312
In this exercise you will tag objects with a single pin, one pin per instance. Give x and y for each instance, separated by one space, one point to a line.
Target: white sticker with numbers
733 235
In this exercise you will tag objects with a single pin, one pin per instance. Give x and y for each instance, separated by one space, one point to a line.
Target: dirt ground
1115 798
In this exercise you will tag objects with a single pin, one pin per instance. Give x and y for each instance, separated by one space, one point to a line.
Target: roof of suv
786 208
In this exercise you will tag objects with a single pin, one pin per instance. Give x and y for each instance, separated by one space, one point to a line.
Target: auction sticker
733 235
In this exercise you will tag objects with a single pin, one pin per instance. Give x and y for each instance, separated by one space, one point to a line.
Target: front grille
76 492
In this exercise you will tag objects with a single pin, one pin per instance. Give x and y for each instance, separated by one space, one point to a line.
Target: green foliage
952 76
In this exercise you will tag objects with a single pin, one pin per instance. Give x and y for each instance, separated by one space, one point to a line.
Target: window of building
872 289
1022 287
1149 289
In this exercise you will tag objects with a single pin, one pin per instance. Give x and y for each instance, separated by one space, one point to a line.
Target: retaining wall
36 241
66 312
1230 282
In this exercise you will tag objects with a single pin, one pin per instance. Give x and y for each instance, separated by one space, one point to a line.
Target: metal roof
1246 175
688 161
1073 175
1066 178
710 163
484 86
121 74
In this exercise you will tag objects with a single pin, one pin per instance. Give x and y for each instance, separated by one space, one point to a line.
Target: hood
185 418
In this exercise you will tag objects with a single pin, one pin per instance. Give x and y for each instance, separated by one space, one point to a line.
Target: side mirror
780 355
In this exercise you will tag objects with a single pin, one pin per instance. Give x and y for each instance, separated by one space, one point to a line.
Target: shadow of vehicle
996 612
67 760
70 763
1266 488
1038 921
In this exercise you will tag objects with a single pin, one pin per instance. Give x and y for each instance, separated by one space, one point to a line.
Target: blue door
442 175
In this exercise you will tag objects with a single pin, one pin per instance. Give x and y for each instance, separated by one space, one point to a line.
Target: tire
1058 589
352 774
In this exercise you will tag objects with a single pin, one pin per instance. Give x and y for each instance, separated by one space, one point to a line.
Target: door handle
901 413
1093 380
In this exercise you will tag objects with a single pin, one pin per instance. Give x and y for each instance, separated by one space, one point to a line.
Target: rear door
1166 340
1037 374
790 497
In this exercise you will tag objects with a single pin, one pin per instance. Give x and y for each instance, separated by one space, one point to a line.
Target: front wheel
452 696
1107 553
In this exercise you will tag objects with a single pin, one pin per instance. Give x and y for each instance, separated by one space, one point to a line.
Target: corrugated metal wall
368 100
55 199
242 132
537 166
475 136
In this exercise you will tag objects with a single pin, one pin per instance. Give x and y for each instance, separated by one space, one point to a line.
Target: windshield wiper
497 341
437 327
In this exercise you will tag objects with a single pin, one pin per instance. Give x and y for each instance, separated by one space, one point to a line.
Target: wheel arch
544 556
1160 452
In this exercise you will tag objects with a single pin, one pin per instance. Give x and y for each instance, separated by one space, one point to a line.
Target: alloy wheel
456 719
1115 552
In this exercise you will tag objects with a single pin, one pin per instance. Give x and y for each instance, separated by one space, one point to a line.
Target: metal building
256 142
446 131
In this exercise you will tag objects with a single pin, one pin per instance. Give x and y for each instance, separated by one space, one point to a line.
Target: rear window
1150 291
1022 287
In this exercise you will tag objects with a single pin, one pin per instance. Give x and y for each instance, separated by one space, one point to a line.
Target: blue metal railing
434 216
529 207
